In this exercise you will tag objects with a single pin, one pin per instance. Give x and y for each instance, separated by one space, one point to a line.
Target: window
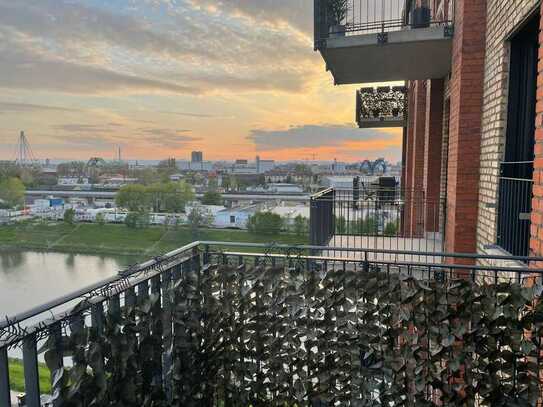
232 219
515 193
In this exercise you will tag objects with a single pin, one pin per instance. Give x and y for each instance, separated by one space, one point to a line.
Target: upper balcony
384 40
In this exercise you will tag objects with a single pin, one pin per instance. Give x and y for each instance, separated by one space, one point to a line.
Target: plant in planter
422 16
337 13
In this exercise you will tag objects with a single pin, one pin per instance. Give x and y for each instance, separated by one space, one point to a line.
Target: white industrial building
237 218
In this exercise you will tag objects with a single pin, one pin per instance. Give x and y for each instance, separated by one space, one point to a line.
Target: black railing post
31 375
5 397
321 27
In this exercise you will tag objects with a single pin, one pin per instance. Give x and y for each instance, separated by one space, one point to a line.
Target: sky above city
160 78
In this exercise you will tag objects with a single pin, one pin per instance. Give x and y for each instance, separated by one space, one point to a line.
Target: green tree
178 195
197 219
265 223
301 226
133 197
69 216
146 176
212 198
166 168
8 169
12 192
170 196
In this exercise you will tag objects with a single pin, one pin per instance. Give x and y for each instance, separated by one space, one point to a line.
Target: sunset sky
160 78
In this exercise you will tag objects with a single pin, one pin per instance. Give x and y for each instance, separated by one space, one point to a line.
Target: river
30 278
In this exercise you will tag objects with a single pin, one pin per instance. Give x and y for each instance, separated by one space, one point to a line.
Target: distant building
346 182
236 218
264 166
197 156
204 166
117 182
281 188
176 177
258 167
73 181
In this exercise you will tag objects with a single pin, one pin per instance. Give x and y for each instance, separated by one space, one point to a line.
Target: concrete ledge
408 54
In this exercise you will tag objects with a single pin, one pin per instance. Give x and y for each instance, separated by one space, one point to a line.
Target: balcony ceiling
410 54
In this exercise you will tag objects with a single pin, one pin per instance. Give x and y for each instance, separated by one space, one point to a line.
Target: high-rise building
197 156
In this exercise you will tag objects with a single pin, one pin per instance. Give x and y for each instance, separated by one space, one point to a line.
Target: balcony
384 106
378 217
385 40
233 324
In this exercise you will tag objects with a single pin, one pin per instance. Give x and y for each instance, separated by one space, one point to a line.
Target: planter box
421 17
337 30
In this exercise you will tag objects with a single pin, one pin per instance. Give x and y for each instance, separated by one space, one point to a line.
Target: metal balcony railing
515 207
239 324
377 218
378 16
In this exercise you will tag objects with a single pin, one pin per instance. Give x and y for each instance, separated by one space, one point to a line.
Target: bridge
96 194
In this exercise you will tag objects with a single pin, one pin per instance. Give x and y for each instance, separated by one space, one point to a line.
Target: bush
101 219
137 220
12 192
391 229
265 223
212 198
69 216
301 226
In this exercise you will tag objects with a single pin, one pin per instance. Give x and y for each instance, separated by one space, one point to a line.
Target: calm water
30 278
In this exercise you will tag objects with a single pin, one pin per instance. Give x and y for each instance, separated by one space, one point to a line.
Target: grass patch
119 239
17 380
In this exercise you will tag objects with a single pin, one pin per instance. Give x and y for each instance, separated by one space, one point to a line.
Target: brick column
536 233
408 152
465 125
417 176
432 153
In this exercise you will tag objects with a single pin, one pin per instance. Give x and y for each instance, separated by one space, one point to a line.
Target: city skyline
162 78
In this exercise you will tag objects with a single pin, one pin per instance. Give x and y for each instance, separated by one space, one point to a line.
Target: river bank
119 240
16 376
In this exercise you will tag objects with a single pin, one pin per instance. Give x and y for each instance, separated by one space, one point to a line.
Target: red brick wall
408 152
536 241
465 125
432 153
417 176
